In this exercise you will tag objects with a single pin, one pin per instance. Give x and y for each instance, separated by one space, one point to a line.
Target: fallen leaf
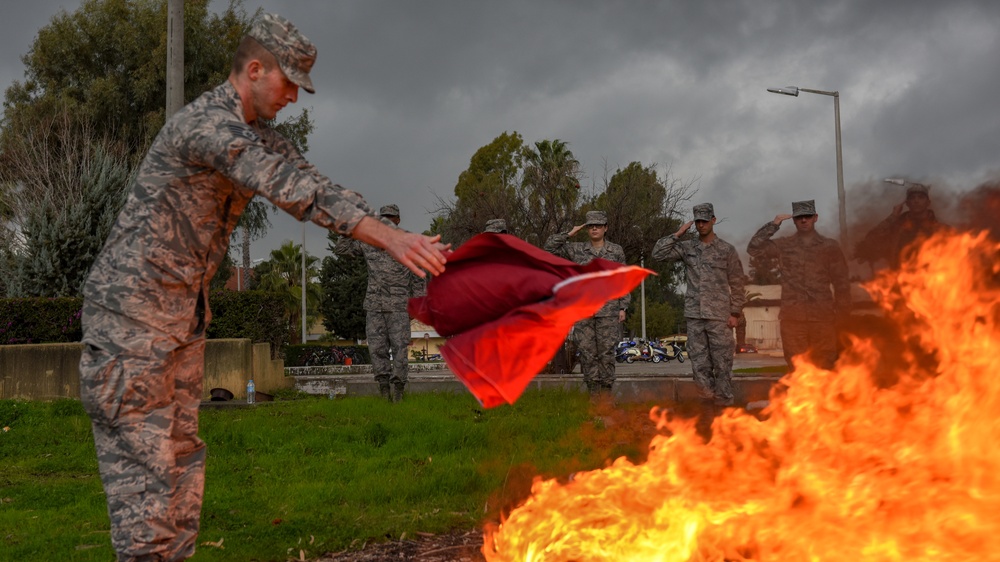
215 544
276 522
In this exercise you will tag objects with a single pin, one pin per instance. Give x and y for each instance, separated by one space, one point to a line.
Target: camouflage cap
389 211
294 52
704 212
804 208
496 225
917 188
597 217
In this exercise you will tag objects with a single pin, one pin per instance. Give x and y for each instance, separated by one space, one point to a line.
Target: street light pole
175 56
303 282
642 296
841 196
642 284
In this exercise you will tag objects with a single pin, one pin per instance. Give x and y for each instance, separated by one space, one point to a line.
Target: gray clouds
407 91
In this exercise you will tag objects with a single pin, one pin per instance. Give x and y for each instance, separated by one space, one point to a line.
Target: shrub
256 315
316 354
40 320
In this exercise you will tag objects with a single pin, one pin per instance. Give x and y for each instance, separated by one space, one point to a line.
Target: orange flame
842 469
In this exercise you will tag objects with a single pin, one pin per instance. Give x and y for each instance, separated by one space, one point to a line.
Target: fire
849 465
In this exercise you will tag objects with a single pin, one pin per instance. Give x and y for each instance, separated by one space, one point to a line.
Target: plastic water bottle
251 393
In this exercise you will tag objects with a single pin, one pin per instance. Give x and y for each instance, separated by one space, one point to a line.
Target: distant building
763 328
238 278
424 340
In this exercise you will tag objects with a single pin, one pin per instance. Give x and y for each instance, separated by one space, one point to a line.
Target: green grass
314 474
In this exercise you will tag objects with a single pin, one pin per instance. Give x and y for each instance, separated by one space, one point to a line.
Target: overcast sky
408 91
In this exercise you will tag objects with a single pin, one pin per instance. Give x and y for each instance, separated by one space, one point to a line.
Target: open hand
419 253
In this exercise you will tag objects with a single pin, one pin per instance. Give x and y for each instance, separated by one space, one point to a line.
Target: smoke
980 209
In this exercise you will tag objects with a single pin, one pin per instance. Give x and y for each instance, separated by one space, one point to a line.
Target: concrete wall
51 370
40 371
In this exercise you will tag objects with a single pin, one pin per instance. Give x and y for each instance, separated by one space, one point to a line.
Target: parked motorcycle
626 349
659 353
631 351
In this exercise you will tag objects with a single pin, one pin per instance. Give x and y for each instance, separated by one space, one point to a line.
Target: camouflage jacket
713 272
891 237
390 283
202 169
809 266
582 253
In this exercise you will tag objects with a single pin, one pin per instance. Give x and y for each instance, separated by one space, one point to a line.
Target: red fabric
507 306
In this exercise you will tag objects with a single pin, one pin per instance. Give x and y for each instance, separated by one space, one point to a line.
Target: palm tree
551 176
282 274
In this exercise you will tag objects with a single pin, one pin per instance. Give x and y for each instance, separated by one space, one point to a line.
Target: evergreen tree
63 211
344 279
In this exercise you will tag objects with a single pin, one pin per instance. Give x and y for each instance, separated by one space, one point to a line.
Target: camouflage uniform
714 277
596 336
896 236
146 298
809 265
387 324
498 226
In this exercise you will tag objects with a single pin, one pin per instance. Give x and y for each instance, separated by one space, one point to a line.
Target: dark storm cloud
407 91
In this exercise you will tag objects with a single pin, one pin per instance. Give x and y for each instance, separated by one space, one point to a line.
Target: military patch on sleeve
243 131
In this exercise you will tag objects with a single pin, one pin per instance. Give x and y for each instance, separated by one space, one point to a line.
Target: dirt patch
459 546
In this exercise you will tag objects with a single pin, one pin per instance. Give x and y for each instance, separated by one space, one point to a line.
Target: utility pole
175 56
303 282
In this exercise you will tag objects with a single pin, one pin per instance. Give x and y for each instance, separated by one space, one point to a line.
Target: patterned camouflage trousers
819 339
711 346
388 330
142 393
596 338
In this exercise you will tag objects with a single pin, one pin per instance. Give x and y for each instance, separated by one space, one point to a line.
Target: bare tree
642 204
61 192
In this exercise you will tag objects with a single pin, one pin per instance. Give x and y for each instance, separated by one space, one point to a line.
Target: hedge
316 354
256 315
40 320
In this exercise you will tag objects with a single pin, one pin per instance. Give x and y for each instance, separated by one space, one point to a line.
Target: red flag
507 306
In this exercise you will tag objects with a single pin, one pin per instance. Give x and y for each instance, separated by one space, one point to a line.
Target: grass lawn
313 474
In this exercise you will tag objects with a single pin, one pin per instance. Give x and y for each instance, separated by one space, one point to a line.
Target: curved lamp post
794 91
